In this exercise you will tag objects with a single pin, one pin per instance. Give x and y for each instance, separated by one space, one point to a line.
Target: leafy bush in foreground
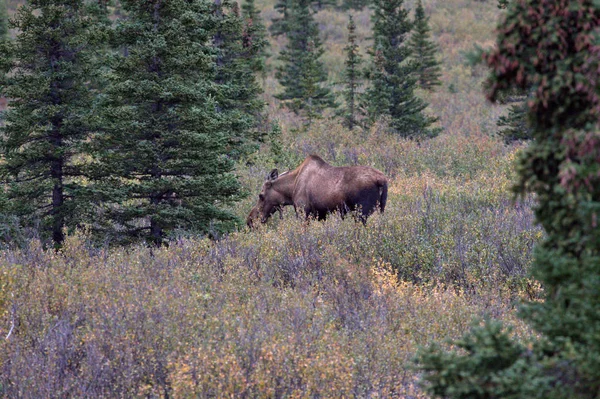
281 315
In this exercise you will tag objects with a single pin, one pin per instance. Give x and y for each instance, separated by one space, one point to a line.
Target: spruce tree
45 72
3 19
235 74
302 74
515 125
423 51
355 4
254 38
561 167
318 5
351 77
279 25
391 74
163 160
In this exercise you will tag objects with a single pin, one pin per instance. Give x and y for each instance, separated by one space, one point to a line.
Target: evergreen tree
351 77
44 74
163 161
515 124
423 51
391 92
235 73
254 37
355 4
561 167
279 25
321 4
302 74
3 19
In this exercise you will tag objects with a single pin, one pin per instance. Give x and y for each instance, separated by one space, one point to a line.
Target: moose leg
344 209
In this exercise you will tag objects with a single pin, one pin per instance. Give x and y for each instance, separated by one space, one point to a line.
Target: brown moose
317 188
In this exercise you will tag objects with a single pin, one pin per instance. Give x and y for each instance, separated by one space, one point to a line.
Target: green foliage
423 51
490 364
238 60
355 4
292 309
302 74
254 38
45 73
3 19
391 74
170 124
351 77
561 167
280 25
515 124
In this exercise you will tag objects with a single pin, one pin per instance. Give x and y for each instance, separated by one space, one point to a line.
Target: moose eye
261 197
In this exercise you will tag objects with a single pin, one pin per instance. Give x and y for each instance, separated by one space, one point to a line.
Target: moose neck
284 185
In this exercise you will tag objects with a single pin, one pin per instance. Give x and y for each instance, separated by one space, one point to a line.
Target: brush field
295 310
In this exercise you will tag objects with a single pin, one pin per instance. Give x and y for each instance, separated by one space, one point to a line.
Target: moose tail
383 191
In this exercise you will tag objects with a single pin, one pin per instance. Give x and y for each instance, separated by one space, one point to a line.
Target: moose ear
273 175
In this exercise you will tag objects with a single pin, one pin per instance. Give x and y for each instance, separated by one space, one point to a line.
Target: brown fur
316 188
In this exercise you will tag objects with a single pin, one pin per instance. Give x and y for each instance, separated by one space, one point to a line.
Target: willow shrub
291 313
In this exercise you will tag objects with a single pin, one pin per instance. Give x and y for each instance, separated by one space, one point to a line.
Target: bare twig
12 321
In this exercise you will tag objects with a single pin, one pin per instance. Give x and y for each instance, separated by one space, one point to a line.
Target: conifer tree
515 125
423 51
254 37
235 74
279 25
561 167
3 19
163 161
355 4
44 75
321 4
351 77
302 74
391 74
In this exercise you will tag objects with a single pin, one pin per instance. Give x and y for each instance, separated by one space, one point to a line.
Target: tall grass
267 314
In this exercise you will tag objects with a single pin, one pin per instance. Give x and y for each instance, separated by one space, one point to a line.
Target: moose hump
317 188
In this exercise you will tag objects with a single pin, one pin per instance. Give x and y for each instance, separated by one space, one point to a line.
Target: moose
317 189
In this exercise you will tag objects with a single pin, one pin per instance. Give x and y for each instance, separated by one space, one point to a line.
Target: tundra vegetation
289 309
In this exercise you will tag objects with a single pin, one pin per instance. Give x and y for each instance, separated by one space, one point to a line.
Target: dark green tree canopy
279 24
514 126
424 50
163 158
3 19
352 77
355 4
254 39
45 75
392 74
551 47
303 74
238 60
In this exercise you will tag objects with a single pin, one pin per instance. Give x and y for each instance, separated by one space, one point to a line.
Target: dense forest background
132 294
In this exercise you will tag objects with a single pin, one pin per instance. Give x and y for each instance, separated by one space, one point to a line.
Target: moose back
316 188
